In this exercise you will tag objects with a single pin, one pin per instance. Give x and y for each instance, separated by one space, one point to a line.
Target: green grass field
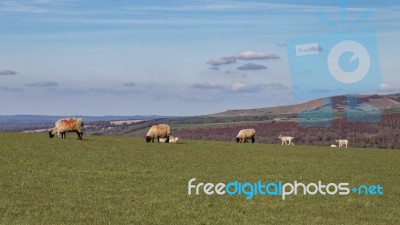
120 180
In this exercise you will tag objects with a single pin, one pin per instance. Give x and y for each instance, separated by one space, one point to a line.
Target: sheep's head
336 140
237 140
51 135
148 138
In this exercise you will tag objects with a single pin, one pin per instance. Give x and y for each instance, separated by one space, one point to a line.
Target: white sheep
286 140
333 146
158 131
342 143
246 134
67 125
173 139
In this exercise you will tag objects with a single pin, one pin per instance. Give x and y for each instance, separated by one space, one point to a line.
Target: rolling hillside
385 103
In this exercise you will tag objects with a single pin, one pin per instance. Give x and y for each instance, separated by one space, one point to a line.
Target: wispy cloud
221 61
210 85
246 55
234 87
43 84
7 72
252 66
114 92
55 91
12 89
129 84
34 6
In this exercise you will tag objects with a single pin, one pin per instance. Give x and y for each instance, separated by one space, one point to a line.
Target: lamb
173 139
67 125
246 134
342 143
286 140
333 146
163 140
158 131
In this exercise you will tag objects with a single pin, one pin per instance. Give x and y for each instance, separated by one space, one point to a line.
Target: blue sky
75 57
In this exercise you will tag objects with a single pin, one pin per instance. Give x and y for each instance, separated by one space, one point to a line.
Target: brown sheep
158 131
67 125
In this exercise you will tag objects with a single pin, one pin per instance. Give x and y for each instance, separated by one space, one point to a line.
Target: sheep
173 139
163 140
333 146
286 140
67 125
158 131
342 143
246 134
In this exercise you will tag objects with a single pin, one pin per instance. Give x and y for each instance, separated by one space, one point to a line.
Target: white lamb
342 143
286 140
173 139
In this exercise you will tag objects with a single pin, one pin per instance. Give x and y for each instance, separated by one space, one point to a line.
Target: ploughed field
123 180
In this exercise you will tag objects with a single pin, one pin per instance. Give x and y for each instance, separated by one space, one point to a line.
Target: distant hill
35 122
385 103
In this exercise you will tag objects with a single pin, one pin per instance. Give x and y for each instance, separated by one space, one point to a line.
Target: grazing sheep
67 125
333 146
286 140
158 131
246 134
342 143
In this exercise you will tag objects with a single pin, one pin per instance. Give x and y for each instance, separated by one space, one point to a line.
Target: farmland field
123 180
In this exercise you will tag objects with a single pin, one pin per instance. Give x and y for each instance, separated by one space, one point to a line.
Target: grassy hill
121 180
385 103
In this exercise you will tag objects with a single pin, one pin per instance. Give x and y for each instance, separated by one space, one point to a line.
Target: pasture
122 180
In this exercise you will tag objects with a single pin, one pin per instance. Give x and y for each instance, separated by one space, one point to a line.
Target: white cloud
237 86
250 55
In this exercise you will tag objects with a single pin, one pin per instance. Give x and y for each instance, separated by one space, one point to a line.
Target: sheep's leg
253 140
167 141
